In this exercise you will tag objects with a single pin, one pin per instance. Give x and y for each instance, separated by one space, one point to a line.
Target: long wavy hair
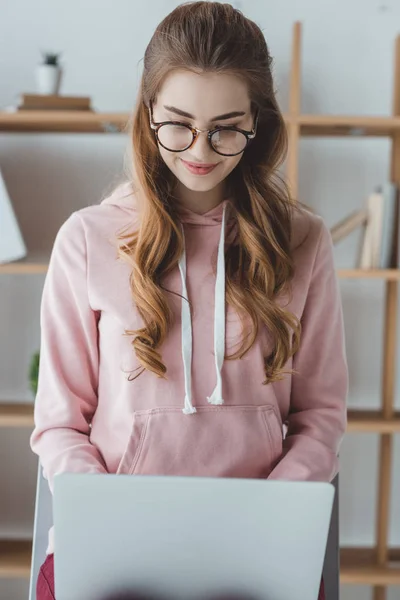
214 37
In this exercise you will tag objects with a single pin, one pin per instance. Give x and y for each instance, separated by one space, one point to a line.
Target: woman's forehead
204 95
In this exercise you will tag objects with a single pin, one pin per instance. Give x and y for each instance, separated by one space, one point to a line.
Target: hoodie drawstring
186 336
219 326
219 317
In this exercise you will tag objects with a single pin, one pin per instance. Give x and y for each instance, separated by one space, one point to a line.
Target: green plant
34 373
51 58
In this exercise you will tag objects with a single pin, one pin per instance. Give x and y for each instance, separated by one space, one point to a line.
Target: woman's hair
215 37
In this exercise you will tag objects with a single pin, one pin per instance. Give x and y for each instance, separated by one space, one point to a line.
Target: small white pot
48 79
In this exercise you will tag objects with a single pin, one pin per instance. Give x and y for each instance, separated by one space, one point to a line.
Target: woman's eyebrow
182 113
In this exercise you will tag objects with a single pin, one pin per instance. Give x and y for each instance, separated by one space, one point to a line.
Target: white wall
347 68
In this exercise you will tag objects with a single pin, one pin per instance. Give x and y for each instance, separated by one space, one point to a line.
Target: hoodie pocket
223 441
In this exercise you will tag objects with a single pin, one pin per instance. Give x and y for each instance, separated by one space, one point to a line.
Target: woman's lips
199 168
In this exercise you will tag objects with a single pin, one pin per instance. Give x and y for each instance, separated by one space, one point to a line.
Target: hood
123 197
126 198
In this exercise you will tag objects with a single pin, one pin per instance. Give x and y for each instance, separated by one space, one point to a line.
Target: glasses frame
250 135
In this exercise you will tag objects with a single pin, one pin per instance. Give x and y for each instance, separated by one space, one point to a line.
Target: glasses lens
175 137
228 141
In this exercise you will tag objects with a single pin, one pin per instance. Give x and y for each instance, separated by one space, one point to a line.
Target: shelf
348 126
364 421
32 265
52 121
15 558
38 265
369 421
388 274
357 566
16 414
55 121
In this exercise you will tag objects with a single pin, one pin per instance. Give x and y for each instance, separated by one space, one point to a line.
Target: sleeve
317 416
68 373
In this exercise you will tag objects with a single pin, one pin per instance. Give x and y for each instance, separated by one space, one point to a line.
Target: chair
42 523
44 520
331 570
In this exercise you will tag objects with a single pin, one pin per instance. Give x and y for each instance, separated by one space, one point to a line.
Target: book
12 246
376 206
53 102
365 258
379 240
369 241
348 225
387 257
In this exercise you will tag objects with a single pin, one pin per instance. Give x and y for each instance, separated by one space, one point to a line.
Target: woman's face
204 101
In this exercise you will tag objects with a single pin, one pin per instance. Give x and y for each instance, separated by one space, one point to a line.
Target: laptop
188 538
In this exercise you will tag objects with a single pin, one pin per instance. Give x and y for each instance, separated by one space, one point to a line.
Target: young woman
191 322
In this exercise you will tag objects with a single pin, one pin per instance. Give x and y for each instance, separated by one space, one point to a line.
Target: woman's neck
200 202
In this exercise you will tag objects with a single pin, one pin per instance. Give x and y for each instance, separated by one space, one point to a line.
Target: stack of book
380 221
56 102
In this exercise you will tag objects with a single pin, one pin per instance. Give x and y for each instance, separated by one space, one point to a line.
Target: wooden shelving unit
387 274
359 566
93 122
35 266
32 265
15 414
15 558
372 421
39 121
378 566
330 125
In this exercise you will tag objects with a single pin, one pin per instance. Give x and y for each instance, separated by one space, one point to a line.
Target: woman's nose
201 148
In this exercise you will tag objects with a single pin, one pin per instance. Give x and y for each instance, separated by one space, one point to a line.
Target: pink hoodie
210 417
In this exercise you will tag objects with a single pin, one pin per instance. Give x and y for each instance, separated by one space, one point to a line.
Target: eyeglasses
175 136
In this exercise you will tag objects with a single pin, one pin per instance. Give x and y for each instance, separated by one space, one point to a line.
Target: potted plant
48 74
34 373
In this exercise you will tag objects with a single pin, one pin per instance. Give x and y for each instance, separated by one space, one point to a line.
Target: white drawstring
219 317
186 336
219 325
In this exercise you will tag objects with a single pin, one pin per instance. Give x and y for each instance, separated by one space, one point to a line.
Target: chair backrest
44 520
331 569
42 523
